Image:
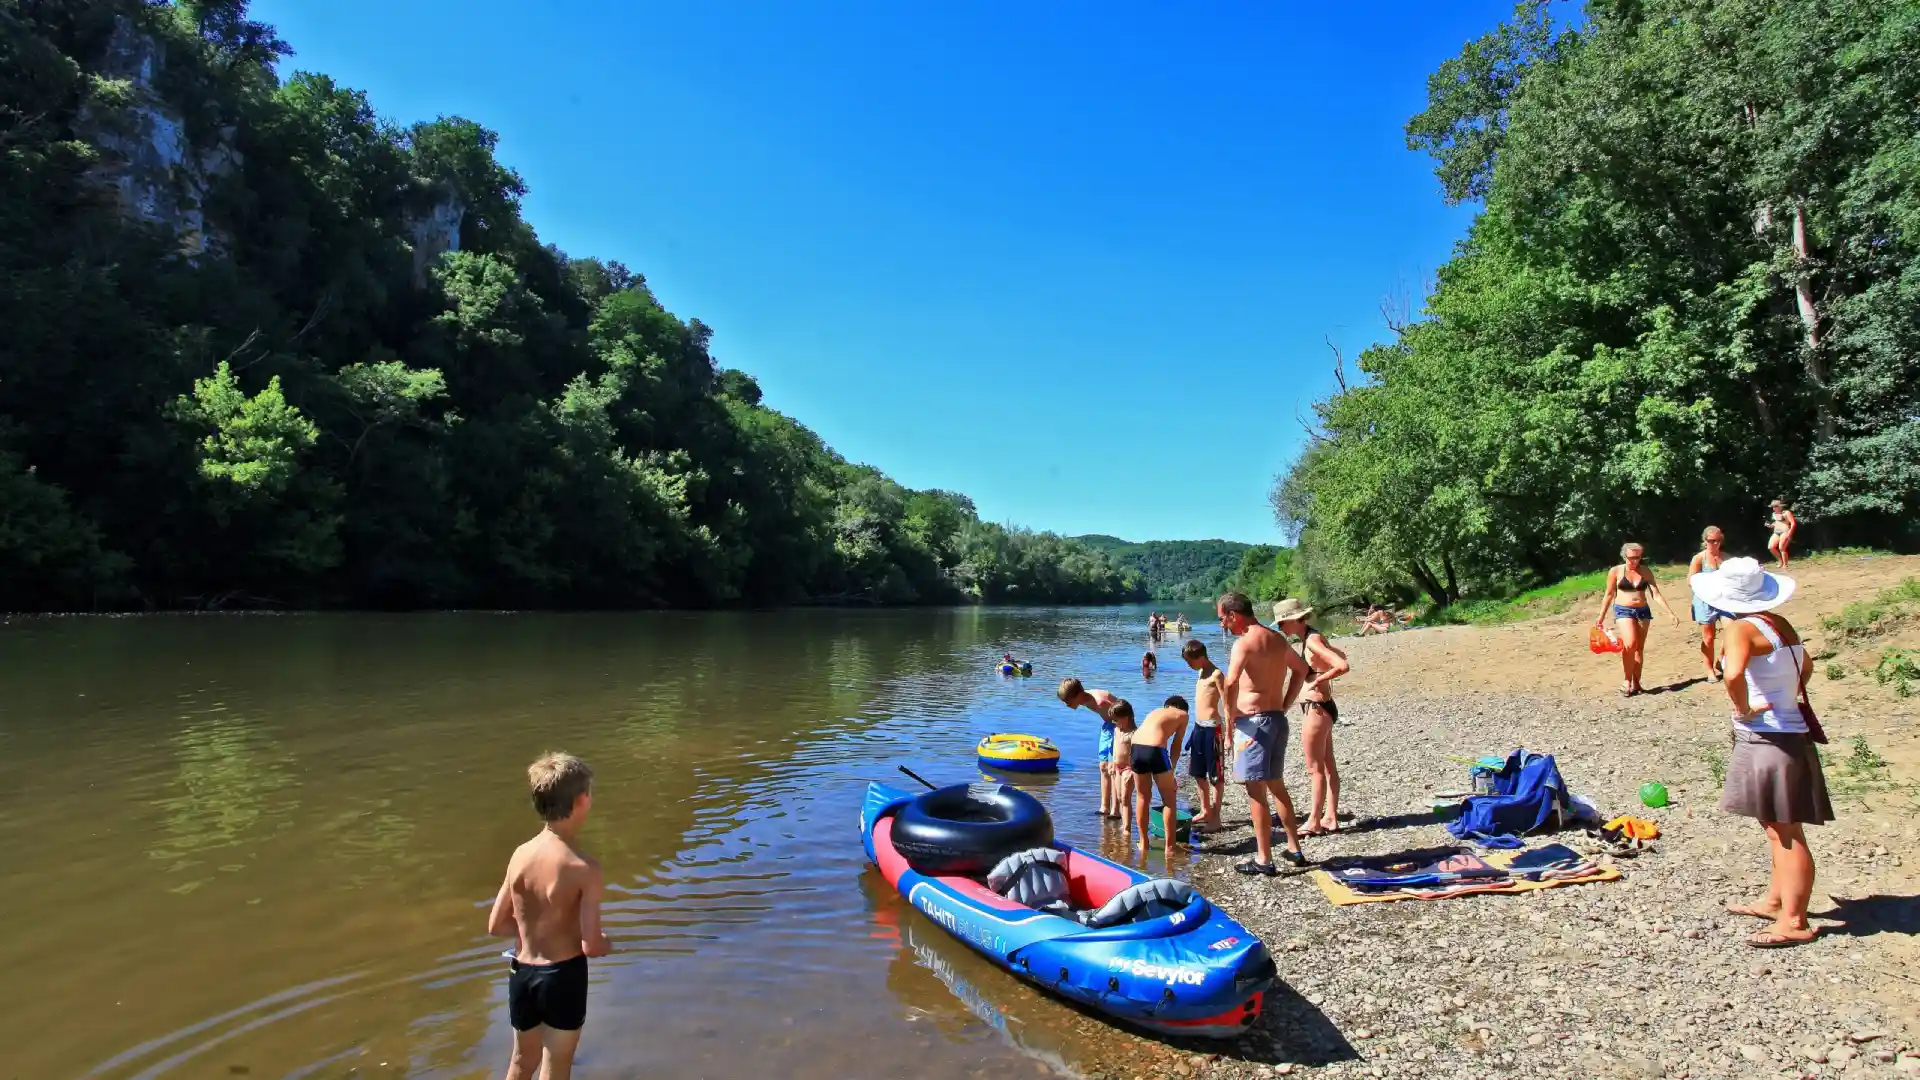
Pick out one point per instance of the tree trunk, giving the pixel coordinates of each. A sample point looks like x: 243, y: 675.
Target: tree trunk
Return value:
x: 1810, y: 319
x: 1425, y: 577
x: 1453, y: 583
x: 1766, y: 414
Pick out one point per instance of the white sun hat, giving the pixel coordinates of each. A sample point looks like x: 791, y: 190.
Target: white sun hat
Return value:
x: 1741, y: 587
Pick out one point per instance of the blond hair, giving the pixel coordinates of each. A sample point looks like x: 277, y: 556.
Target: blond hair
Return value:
x: 1631, y: 546
x: 558, y: 780
x: 1070, y: 689
x: 1710, y: 532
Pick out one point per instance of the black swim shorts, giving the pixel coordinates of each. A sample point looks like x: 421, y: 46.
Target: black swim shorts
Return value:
x: 1151, y: 760
x: 554, y: 995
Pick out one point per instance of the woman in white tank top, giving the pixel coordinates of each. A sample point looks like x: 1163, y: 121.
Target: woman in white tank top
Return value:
x: 1773, y: 774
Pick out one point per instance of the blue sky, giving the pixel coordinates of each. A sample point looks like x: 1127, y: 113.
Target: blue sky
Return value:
x: 1077, y: 260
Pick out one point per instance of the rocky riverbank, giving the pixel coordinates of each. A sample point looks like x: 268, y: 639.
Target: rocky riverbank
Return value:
x: 1647, y: 976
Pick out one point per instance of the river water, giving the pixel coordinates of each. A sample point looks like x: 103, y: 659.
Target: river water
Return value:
x: 265, y: 845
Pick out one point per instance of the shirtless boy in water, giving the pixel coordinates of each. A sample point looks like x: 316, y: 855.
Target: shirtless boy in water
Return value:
x: 1121, y: 767
x: 550, y: 901
x: 1076, y: 696
x: 1156, y: 746
x: 1263, y: 679
x: 1204, y: 760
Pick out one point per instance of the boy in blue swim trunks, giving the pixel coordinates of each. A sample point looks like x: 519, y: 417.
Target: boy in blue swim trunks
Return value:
x: 1103, y: 704
x: 1204, y: 759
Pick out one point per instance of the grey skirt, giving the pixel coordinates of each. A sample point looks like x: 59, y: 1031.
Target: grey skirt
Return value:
x: 1775, y: 777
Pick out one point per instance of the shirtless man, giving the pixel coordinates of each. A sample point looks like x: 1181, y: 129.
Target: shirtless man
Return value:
x: 1076, y: 696
x: 550, y: 902
x: 1318, y: 713
x: 1263, y: 679
x: 1156, y: 746
x: 1204, y: 757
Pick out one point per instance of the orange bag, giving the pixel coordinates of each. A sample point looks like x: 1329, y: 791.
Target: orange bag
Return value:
x: 1602, y: 642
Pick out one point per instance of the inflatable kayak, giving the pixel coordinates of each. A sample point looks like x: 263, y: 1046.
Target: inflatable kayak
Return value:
x: 1018, y: 753
x: 1024, y: 667
x: 1152, y: 953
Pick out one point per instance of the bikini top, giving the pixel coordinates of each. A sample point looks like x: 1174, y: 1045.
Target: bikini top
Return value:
x: 1624, y: 585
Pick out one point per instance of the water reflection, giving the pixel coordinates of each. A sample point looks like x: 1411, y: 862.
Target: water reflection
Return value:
x: 937, y: 979
x: 229, y: 780
x: 367, y: 773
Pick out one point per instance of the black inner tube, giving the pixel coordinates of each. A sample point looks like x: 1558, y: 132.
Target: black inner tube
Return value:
x: 966, y: 828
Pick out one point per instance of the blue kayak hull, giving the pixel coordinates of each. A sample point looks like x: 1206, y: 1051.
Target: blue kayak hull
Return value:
x: 1195, y: 972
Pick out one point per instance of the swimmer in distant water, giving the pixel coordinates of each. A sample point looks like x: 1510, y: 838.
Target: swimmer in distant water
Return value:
x: 550, y: 903
x: 1149, y: 664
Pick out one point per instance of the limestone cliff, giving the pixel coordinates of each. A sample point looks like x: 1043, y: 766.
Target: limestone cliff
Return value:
x: 147, y: 158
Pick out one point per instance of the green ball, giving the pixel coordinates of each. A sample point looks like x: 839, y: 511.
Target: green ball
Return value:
x: 1653, y: 793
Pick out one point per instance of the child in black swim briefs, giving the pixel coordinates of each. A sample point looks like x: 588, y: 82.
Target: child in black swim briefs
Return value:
x: 1156, y: 746
x: 550, y: 903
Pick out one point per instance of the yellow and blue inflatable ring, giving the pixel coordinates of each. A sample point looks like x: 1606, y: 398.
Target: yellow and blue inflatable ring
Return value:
x: 1014, y: 752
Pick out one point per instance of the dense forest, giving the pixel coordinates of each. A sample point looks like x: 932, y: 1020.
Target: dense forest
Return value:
x: 1173, y: 569
x: 1692, y: 286
x: 265, y: 348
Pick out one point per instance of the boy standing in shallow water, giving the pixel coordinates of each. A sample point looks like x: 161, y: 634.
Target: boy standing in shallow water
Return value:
x: 1076, y: 696
x: 550, y: 902
x: 1204, y: 759
x: 1156, y: 746
x: 1121, y: 767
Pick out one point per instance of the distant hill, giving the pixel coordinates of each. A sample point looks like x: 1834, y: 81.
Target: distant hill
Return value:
x: 1175, y: 569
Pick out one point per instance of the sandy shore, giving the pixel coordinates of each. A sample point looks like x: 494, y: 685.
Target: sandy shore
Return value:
x: 1647, y: 976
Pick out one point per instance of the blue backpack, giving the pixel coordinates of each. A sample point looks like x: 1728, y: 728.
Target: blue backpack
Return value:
x: 1528, y: 795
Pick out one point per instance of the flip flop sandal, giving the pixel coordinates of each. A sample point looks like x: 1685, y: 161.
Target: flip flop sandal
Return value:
x: 1254, y: 866
x: 1767, y: 940
x: 1750, y: 911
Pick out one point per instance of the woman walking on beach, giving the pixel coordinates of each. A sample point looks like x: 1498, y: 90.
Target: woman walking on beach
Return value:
x: 1318, y: 714
x: 1774, y: 773
x: 1784, y: 526
x: 1628, y: 588
x: 1705, y: 561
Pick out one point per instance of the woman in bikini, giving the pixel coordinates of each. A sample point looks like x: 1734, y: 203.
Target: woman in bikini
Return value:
x: 1318, y: 714
x: 1773, y: 773
x: 1628, y: 588
x: 1784, y: 526
x: 1706, y: 561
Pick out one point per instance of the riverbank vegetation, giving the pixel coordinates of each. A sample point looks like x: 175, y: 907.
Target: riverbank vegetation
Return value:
x: 1693, y: 286
x: 265, y: 348
x: 1173, y: 569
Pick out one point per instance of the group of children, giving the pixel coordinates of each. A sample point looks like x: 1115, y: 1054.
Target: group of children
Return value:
x: 1137, y: 756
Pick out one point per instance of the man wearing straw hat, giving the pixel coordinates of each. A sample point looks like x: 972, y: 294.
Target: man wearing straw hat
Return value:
x: 1774, y: 772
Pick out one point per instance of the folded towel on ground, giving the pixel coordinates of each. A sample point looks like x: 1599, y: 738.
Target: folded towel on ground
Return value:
x: 1340, y: 894
x: 1413, y: 869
